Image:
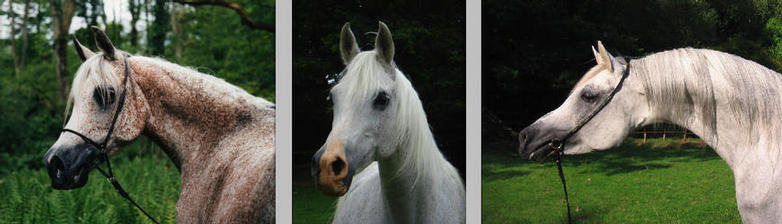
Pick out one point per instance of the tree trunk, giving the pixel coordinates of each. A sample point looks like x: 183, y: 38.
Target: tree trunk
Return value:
x: 25, y: 34
x: 158, y: 29
x: 177, y: 12
x: 14, y: 55
x: 62, y: 13
x: 135, y: 11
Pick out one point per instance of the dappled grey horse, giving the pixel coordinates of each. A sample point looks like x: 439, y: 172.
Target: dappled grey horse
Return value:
x: 733, y: 104
x: 220, y: 137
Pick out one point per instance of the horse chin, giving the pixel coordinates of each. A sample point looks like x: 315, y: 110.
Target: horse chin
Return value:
x: 539, y: 155
x: 67, y: 182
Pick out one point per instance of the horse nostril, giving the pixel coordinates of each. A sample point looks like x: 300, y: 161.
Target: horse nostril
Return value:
x: 523, y: 137
x: 57, y: 166
x: 337, y: 166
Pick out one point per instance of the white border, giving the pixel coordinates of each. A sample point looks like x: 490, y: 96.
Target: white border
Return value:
x: 473, y: 126
x: 283, y: 98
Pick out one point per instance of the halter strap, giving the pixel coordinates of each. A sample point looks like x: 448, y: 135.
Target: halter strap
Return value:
x: 558, y: 145
x: 103, y: 146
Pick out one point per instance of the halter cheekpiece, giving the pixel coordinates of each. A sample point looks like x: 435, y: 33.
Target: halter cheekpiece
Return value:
x: 557, y: 145
x: 103, y: 146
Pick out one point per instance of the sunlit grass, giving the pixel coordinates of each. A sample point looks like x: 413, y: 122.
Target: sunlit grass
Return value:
x: 657, y: 182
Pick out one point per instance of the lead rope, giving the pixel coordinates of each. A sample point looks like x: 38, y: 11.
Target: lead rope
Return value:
x: 102, y: 148
x: 110, y: 177
x: 558, y: 145
x: 564, y: 185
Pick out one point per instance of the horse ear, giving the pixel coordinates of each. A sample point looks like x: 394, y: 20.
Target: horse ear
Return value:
x: 605, y: 57
x: 384, y: 44
x: 103, y: 42
x: 83, y: 51
x: 347, y: 44
x: 597, y: 56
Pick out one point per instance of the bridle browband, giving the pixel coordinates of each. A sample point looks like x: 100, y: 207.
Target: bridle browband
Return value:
x: 557, y: 145
x: 102, y: 147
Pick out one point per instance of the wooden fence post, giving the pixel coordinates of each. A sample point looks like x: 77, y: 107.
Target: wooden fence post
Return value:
x: 663, y: 134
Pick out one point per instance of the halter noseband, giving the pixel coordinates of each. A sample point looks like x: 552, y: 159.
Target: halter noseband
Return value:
x: 557, y: 145
x: 103, y: 146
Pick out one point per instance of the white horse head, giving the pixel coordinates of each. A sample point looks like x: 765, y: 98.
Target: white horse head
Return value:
x: 606, y: 129
x: 94, y: 96
x: 368, y: 112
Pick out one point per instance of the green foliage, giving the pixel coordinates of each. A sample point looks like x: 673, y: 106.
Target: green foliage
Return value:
x: 32, y: 108
x: 143, y: 171
x: 629, y: 184
x: 774, y: 27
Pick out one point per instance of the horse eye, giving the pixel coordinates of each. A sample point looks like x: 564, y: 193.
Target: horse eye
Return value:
x: 104, y: 97
x: 589, y: 96
x: 381, y: 101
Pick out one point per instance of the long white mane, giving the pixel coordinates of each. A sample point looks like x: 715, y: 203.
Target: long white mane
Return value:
x: 411, y: 128
x: 685, y: 81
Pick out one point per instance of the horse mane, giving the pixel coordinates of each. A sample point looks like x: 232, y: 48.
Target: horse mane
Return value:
x: 411, y: 128
x: 681, y: 83
x: 94, y: 72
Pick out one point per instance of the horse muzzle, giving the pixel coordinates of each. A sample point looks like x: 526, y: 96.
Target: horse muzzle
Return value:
x: 331, y: 171
x: 69, y: 168
x: 535, y: 148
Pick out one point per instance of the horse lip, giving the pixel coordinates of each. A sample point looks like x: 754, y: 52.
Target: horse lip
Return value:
x: 545, y: 155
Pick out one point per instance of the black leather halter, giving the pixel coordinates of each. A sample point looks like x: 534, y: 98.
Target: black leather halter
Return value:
x: 103, y: 146
x: 558, y: 145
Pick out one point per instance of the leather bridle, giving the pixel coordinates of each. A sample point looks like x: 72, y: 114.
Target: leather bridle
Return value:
x: 557, y: 145
x: 103, y: 146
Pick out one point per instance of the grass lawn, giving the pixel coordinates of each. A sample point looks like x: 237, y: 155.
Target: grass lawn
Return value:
x: 655, y: 182
x: 311, y: 206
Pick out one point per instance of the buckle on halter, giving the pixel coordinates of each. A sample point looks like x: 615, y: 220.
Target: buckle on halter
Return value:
x: 555, y: 144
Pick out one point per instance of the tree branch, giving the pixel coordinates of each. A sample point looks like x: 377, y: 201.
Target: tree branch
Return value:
x: 246, y: 20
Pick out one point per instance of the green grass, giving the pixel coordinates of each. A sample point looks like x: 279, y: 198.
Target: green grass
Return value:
x: 656, y: 182
x: 311, y: 206
x: 26, y: 195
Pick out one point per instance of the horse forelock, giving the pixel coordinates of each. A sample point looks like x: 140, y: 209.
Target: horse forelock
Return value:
x: 362, y: 77
x: 93, y: 73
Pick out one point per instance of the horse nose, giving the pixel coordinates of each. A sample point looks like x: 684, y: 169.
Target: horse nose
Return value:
x: 69, y: 167
x: 315, y: 164
x: 524, y: 138
x: 333, y: 171
x: 56, y: 167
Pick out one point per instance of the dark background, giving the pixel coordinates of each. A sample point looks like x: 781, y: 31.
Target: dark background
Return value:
x: 534, y: 51
x: 429, y: 38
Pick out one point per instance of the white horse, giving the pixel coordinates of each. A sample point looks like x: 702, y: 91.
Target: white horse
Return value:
x: 220, y: 137
x: 380, y: 134
x: 733, y: 104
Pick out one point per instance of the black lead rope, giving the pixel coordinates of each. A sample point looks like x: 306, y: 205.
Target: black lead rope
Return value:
x: 558, y: 145
x: 102, y: 147
x: 564, y: 185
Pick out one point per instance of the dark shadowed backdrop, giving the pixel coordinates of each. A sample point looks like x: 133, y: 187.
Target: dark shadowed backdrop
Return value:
x: 429, y: 37
x: 534, y: 51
